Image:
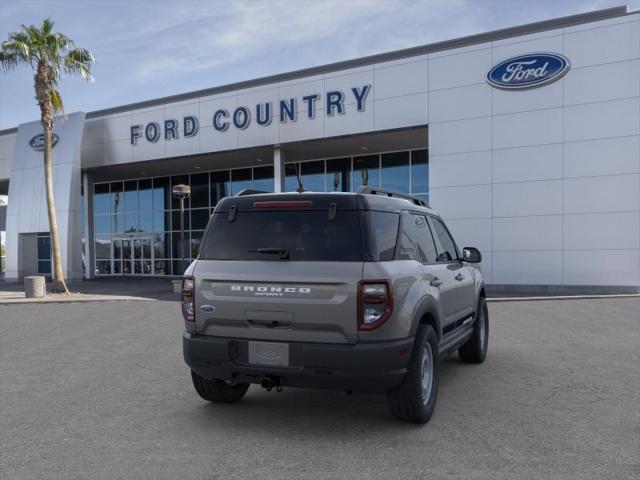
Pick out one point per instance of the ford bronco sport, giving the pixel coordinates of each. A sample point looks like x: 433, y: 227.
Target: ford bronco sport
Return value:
x: 358, y: 291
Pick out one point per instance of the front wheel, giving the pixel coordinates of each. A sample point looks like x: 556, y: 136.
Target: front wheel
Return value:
x: 218, y: 391
x: 475, y: 349
x: 415, y: 399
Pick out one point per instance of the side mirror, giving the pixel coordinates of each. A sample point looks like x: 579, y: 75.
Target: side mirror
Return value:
x: 471, y: 255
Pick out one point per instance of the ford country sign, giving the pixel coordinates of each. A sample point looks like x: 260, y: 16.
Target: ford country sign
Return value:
x: 37, y: 142
x: 528, y: 71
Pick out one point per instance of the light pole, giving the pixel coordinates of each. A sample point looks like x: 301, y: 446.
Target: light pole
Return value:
x: 182, y: 192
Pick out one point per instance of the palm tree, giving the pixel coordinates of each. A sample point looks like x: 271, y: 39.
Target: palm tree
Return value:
x: 50, y: 55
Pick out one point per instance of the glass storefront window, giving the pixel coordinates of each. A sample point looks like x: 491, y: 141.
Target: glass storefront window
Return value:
x: 338, y: 175
x: 103, y: 247
x: 395, y: 171
x: 366, y: 171
x: 263, y: 179
x: 144, y: 211
x: 313, y: 176
x: 145, y: 195
x: 199, y: 218
x: 240, y: 180
x: 131, y: 196
x: 179, y: 180
x: 101, y: 198
x: 200, y: 190
x: 419, y: 171
x: 219, y: 186
x: 161, y: 194
x: 161, y: 221
x: 196, y: 239
x: 175, y: 220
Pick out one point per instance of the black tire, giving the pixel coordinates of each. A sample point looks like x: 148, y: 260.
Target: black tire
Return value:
x: 408, y: 402
x: 475, y: 349
x: 218, y: 391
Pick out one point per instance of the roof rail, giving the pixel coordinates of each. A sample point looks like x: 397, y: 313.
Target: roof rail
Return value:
x: 390, y: 193
x: 249, y: 191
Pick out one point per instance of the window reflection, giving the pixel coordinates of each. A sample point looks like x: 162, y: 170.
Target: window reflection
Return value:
x: 338, y: 175
x: 366, y: 171
x: 240, y: 180
x: 419, y: 171
x: 395, y: 171
x: 313, y: 176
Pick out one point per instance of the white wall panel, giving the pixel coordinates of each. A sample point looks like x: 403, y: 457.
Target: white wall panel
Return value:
x: 506, y: 101
x: 462, y: 202
x: 303, y: 129
x: 212, y: 140
x: 117, y: 152
x: 472, y: 232
x: 460, y: 103
x: 459, y: 69
x: 118, y: 127
x: 527, y: 198
x: 527, y: 233
x: 486, y: 267
x: 602, y: 267
x: 182, y: 145
x: 614, y: 193
x: 609, y: 156
x: 470, y: 168
x: 407, y: 111
x: 541, y: 162
x: 352, y: 121
x: 346, y: 81
x: 602, y: 82
x: 549, y: 41
x: 527, y: 128
x: 598, y: 231
x: 460, y: 136
x: 602, y: 120
x: 403, y: 79
x: 527, y: 268
x: 603, y: 45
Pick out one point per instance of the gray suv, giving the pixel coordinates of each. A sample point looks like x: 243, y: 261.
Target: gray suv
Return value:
x: 358, y: 291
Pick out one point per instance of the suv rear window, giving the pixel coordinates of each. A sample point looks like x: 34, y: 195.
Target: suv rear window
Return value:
x: 306, y: 235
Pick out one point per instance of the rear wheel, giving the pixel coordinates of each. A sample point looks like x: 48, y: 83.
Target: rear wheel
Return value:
x: 218, y: 391
x: 475, y: 349
x: 415, y: 399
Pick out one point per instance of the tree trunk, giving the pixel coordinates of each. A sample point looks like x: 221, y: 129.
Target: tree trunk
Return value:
x: 59, y: 284
x: 43, y: 95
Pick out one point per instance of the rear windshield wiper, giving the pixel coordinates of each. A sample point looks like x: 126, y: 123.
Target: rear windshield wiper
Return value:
x: 283, y: 252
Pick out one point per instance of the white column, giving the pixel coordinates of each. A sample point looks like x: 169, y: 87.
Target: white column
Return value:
x: 278, y: 170
x: 87, y: 203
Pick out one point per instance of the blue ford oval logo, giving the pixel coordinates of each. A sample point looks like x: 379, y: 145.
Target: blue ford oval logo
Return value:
x: 208, y: 308
x: 528, y: 71
x: 37, y: 142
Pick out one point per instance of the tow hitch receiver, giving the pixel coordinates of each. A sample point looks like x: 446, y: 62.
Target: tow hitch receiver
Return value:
x: 269, y: 383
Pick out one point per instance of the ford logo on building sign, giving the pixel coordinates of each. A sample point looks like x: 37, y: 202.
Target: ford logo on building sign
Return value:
x: 37, y: 142
x: 528, y: 71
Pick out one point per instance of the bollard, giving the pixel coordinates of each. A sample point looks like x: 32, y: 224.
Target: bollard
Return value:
x: 34, y: 287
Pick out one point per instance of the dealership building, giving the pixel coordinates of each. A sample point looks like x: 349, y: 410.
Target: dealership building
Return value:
x: 526, y: 140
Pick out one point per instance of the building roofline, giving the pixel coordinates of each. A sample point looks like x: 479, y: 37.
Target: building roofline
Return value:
x: 459, y: 42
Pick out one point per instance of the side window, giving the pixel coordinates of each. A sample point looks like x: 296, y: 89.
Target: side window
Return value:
x: 424, y: 241
x: 384, y: 233
x: 449, y: 251
x: 415, y: 241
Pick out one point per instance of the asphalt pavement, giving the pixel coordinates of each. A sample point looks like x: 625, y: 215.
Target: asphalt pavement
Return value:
x: 100, y: 391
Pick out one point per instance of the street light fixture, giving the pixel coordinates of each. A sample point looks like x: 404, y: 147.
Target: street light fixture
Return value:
x: 182, y: 192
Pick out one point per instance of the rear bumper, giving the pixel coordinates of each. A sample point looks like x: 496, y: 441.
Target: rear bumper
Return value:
x: 365, y: 367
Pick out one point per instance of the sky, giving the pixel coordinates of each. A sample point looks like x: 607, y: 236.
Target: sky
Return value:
x: 152, y: 48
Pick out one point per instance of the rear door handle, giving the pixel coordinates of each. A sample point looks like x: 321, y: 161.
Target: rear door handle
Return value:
x: 459, y: 277
x: 436, y: 282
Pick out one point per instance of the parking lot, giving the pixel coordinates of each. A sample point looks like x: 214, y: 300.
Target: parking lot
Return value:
x: 99, y: 390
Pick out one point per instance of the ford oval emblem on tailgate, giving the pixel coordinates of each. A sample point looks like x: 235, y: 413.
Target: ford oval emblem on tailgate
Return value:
x: 208, y: 308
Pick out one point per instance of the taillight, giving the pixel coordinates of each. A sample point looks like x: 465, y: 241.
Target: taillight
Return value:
x: 375, y: 303
x: 187, y: 299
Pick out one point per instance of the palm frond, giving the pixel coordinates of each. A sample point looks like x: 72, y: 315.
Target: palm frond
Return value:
x: 56, y: 101
x: 79, y: 60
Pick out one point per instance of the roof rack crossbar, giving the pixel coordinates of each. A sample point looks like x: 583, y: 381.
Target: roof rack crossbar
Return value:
x: 249, y: 191
x: 391, y: 193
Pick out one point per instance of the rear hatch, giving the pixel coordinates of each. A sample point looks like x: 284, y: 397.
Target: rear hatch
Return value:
x: 282, y: 268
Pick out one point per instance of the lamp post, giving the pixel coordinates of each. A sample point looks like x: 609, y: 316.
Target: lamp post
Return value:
x: 182, y: 192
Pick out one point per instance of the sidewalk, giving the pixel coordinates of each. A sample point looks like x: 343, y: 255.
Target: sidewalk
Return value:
x: 103, y: 289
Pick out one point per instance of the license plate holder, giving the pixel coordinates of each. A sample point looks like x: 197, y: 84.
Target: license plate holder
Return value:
x: 269, y: 353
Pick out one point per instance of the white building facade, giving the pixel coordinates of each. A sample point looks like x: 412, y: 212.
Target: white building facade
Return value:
x: 526, y: 140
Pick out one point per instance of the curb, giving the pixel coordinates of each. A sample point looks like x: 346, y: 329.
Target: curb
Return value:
x: 105, y: 298
x: 561, y: 297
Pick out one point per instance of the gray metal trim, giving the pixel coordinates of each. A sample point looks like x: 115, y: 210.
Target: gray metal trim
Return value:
x: 519, y: 30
